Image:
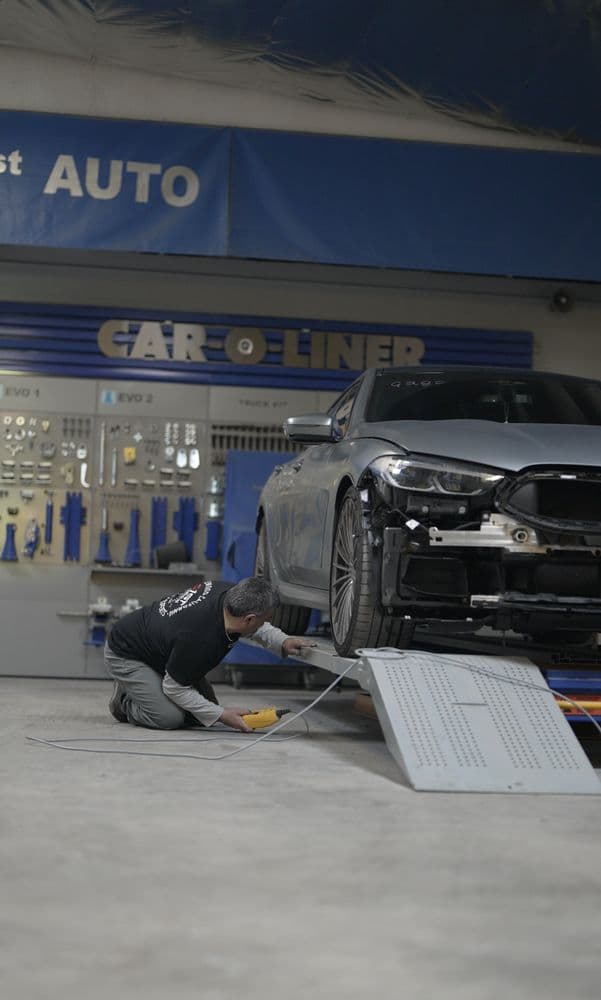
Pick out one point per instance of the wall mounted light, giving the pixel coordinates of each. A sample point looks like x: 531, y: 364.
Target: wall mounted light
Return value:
x: 562, y: 302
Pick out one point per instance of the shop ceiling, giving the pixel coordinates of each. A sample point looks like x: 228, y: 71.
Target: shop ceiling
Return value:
x: 516, y: 71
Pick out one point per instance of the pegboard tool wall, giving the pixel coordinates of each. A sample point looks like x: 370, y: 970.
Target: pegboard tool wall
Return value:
x: 95, y: 474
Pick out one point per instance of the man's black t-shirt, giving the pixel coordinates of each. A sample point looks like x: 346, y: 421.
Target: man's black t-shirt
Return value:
x: 182, y: 634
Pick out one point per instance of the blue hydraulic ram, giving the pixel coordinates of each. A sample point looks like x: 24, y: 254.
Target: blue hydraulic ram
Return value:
x: 103, y: 555
x: 9, y: 552
x: 133, y: 555
x: 48, y: 519
x: 185, y: 522
x: 213, y: 540
x: 73, y: 516
x: 158, y: 525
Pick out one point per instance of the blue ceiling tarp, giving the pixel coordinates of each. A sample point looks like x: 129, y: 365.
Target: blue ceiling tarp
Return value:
x: 519, y: 66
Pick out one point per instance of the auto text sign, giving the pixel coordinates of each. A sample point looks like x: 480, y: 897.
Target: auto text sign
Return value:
x: 115, y: 185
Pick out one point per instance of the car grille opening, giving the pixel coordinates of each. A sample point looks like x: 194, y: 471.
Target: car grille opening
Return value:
x: 450, y: 577
x: 554, y: 576
x: 571, y: 499
x: 441, y: 577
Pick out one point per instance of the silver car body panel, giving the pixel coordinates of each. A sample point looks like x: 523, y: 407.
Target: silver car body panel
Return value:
x: 300, y: 532
x: 510, y: 447
x: 299, y: 499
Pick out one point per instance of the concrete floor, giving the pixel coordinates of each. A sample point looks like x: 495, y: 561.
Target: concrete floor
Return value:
x: 298, y: 869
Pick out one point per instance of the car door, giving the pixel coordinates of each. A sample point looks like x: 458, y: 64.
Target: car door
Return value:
x: 311, y: 482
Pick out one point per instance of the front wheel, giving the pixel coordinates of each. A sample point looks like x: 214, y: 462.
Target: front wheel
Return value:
x: 291, y: 619
x: 356, y: 618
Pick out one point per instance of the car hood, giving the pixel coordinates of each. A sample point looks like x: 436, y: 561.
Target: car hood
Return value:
x: 504, y: 446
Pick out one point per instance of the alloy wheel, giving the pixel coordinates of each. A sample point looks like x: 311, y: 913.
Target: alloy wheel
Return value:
x: 344, y: 571
x: 260, y: 553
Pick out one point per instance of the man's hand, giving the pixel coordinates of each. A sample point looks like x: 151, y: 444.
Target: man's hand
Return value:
x: 295, y: 644
x: 232, y: 717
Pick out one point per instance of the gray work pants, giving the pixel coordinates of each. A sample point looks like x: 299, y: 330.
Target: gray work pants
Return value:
x: 144, y: 703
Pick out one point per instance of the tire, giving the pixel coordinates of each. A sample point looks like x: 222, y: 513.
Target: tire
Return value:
x: 288, y: 617
x: 261, y: 567
x: 355, y: 617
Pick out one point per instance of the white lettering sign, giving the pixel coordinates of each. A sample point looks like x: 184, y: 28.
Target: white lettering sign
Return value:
x: 11, y: 162
x: 103, y: 180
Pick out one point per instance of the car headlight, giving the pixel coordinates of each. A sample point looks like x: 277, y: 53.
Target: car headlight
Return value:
x: 426, y: 475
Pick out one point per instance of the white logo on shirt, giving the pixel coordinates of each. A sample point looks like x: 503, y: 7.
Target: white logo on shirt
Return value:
x: 187, y: 599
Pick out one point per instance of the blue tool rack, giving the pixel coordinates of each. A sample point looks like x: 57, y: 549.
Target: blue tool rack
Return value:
x: 245, y: 475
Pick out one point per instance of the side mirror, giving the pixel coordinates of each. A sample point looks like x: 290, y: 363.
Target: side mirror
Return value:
x: 311, y: 428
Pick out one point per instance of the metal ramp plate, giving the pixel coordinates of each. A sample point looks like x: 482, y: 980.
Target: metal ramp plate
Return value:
x: 452, y: 728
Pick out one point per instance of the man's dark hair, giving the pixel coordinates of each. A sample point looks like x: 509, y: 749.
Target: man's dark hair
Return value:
x: 253, y: 596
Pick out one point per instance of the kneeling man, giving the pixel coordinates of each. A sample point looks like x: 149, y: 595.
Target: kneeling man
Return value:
x: 160, y: 654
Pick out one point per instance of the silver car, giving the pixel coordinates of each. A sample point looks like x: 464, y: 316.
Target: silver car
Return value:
x: 450, y: 500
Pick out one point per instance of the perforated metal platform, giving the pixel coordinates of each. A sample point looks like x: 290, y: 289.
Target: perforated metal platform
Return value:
x: 452, y: 726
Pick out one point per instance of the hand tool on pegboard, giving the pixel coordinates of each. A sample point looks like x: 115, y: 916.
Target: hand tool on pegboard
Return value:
x: 113, y: 467
x: 101, y: 452
x: 31, y: 538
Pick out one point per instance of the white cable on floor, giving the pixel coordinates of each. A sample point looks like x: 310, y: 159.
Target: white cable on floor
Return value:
x: 60, y: 745
x: 286, y: 722
x: 216, y: 738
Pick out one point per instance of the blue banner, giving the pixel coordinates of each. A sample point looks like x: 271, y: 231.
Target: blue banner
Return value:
x: 180, y: 189
x: 113, y: 185
x: 416, y: 205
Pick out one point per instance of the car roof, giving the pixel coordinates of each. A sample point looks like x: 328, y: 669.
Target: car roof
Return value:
x: 490, y: 371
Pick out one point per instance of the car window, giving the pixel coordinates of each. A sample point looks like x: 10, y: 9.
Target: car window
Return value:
x: 504, y: 399
x: 342, y: 409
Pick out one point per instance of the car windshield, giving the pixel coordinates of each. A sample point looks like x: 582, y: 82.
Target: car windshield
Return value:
x: 531, y: 399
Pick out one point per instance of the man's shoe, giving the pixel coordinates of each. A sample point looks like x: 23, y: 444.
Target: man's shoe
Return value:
x: 116, y: 704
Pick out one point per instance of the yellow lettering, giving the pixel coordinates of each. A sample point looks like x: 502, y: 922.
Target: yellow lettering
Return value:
x: 291, y: 357
x: 150, y: 343
x: 407, y: 350
x: 188, y: 342
x: 318, y: 350
x: 347, y: 348
x: 377, y: 349
x: 106, y: 335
